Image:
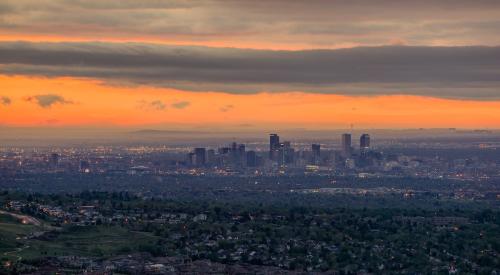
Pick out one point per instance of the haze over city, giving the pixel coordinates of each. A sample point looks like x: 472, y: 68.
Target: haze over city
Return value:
x: 249, y: 137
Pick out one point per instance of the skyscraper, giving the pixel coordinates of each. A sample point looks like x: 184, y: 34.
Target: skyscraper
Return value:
x: 210, y: 156
x: 286, y: 153
x: 234, y: 152
x: 191, y: 159
x: 251, y: 159
x: 200, y: 156
x: 274, y: 144
x: 346, y: 145
x: 316, y: 153
x: 316, y: 150
x: 54, y: 160
x: 364, y: 142
x: 241, y: 154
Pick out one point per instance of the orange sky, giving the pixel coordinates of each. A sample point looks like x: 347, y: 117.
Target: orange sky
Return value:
x: 90, y: 102
x: 268, y: 25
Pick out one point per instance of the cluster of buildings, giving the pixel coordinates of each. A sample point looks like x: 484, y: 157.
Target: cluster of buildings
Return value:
x: 349, y: 158
x: 239, y: 243
x: 88, y: 215
x: 280, y: 154
x: 83, y: 215
x: 235, y: 155
x: 345, y: 156
x: 144, y: 263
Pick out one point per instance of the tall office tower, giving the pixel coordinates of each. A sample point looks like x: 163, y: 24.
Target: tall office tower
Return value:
x: 364, y: 142
x: 346, y: 145
x: 200, y: 156
x: 274, y: 144
x: 241, y: 154
x: 191, y: 159
x: 279, y: 154
x: 54, y: 160
x: 290, y: 156
x: 210, y: 156
x: 251, y: 159
x: 316, y: 153
x: 286, y: 153
x: 316, y: 150
x: 234, y: 153
x: 241, y: 149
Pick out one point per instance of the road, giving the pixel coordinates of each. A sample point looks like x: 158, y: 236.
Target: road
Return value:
x: 23, y: 218
x: 17, y: 251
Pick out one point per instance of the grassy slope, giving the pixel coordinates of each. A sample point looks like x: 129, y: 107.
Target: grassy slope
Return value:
x: 99, y: 241
x: 10, y: 229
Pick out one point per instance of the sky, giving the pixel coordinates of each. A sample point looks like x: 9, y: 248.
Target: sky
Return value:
x: 238, y: 64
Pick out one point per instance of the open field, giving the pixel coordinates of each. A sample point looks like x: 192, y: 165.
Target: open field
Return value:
x: 100, y: 241
x: 97, y: 241
x: 12, y: 233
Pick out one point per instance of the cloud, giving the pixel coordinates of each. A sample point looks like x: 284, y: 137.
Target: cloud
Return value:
x: 159, y: 105
x: 451, y: 72
x: 5, y: 100
x: 315, y: 23
x: 180, y: 104
x: 226, y: 108
x: 47, y: 100
x: 156, y: 105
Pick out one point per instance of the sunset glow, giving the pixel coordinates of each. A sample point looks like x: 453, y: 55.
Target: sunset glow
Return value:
x: 90, y: 102
x: 322, y: 66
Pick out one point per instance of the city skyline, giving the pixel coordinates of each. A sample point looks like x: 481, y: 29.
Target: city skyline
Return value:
x: 249, y: 137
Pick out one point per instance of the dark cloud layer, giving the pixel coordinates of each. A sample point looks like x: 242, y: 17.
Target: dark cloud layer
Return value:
x: 315, y: 23
x: 456, y: 72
